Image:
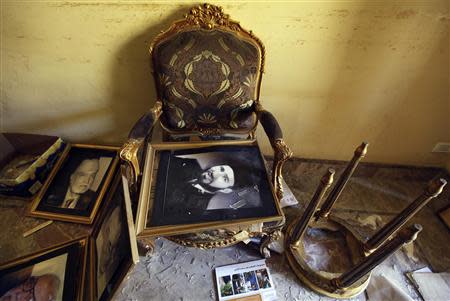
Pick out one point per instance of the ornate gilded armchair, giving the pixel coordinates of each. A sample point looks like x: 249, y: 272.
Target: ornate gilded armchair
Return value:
x: 207, y: 71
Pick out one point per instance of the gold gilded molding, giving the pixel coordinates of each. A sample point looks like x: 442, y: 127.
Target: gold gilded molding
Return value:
x: 128, y: 153
x: 267, y: 235
x: 258, y: 107
x: 209, y: 16
x: 157, y: 109
x: 207, y: 244
x: 210, y: 131
x: 282, y: 154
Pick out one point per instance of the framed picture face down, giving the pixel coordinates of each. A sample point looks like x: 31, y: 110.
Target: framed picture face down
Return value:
x: 77, y: 185
x: 187, y: 187
x: 111, y: 249
x: 53, y: 274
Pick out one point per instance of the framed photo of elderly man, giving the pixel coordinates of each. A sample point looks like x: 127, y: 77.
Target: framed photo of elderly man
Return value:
x: 56, y: 273
x: 188, y: 187
x: 76, y: 187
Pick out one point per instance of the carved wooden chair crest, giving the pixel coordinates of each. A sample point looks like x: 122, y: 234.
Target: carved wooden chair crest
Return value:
x: 207, y: 72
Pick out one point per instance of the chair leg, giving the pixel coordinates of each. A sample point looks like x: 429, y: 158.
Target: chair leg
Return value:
x: 370, y: 262
x: 325, y: 209
x: 300, y: 227
x: 433, y: 190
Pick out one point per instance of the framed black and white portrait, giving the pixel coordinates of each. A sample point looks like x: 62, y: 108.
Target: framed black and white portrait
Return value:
x: 200, y: 186
x: 52, y: 274
x: 113, y: 246
x: 77, y: 185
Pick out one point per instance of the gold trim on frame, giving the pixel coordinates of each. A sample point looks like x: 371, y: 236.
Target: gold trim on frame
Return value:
x: 145, y: 201
x: 72, y: 218
x: 82, y: 241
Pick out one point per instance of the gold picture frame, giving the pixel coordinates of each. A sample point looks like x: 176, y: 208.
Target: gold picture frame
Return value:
x: 120, y: 253
x: 146, y: 204
x: 45, y: 269
x: 92, y: 167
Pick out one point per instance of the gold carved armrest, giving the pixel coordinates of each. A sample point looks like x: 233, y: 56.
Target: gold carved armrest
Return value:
x: 281, y: 151
x: 131, y: 152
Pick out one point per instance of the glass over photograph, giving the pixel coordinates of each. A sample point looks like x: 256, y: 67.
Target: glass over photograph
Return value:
x: 78, y: 183
x: 110, y: 249
x: 211, y: 184
x: 54, y: 275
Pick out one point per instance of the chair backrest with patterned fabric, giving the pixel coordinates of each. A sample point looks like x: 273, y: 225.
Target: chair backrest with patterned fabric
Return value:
x: 207, y: 70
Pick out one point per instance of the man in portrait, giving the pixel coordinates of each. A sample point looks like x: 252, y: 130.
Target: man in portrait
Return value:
x: 78, y: 194
x: 192, y: 190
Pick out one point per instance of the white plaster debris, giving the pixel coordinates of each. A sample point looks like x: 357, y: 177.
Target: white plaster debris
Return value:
x: 188, y: 274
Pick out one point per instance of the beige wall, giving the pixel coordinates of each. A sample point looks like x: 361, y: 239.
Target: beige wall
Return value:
x: 337, y: 73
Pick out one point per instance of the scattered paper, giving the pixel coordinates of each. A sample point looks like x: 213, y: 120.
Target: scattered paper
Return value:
x: 381, y: 288
x: 289, y: 198
x: 432, y: 286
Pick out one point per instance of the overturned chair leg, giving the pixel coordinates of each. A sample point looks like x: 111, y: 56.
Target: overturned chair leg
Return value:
x: 325, y: 209
x: 370, y: 262
x: 300, y: 227
x: 433, y: 190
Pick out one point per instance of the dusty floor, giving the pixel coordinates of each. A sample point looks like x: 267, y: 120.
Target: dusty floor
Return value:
x: 373, y: 196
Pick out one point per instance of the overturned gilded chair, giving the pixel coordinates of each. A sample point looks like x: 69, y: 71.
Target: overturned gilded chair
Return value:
x: 352, y: 260
x: 207, y: 71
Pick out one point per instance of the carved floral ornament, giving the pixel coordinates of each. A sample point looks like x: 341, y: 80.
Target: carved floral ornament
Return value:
x: 208, y: 16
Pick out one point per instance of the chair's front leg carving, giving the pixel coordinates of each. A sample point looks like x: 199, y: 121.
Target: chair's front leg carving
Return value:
x: 281, y: 155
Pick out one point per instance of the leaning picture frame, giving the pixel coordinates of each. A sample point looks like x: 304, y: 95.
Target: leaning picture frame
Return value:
x: 112, y: 246
x: 75, y: 188
x: 196, y: 186
x: 56, y: 273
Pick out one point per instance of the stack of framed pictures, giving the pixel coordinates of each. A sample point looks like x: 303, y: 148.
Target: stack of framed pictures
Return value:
x: 198, y: 186
x: 85, y: 187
